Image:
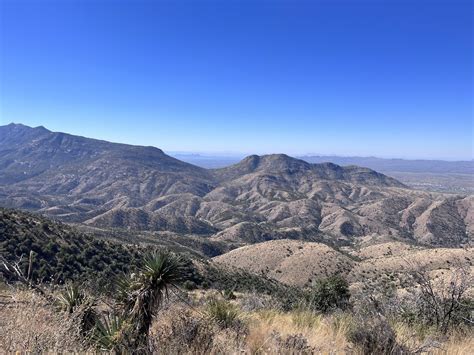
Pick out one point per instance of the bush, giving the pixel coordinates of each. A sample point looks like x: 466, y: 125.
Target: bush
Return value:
x: 189, y: 285
x: 329, y: 294
x: 441, y: 304
x: 186, y: 333
x: 375, y: 336
x: 223, y: 312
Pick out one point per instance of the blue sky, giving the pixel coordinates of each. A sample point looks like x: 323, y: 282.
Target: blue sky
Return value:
x: 389, y: 78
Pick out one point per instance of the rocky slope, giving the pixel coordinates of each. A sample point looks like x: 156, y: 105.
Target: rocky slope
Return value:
x: 261, y: 198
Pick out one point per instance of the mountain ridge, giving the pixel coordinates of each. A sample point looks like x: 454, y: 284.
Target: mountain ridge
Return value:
x: 103, y: 184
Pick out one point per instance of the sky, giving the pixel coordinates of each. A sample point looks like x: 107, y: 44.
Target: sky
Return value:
x: 387, y: 78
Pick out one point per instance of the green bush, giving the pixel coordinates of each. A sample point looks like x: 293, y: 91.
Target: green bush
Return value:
x: 329, y: 294
x: 222, y: 312
x: 189, y: 285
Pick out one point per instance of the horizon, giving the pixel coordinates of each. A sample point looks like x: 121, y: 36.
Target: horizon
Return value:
x: 389, y: 79
x: 242, y: 155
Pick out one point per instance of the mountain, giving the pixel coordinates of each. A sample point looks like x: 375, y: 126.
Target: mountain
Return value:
x: 400, y: 165
x: 111, y: 185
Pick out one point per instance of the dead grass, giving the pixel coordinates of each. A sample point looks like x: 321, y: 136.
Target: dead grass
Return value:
x: 323, y: 334
x: 28, y: 324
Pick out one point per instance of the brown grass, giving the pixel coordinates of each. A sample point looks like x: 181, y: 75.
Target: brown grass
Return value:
x: 29, y: 324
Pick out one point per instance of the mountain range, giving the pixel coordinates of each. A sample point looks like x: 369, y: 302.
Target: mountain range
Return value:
x: 110, y: 185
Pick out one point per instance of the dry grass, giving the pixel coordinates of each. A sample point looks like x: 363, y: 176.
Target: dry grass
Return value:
x: 28, y: 324
x: 459, y: 342
x: 269, y: 328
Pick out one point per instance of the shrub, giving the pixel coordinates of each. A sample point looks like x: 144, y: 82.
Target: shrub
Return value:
x: 329, y: 294
x: 189, y: 285
x: 222, y: 312
x: 185, y: 333
x: 375, y: 336
x: 441, y: 304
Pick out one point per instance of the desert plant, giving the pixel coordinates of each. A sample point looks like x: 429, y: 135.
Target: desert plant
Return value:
x: 143, y: 293
x: 374, y: 336
x: 329, y: 294
x: 70, y: 298
x: 305, y: 318
x: 189, y: 285
x: 442, y: 304
x: 222, y: 312
x: 183, y: 332
x: 110, y: 334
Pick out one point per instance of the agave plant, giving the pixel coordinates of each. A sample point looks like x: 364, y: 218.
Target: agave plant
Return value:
x: 110, y: 334
x: 143, y: 293
x: 71, y: 298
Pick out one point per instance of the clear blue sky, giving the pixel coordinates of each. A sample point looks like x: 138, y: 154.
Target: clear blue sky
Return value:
x: 390, y: 78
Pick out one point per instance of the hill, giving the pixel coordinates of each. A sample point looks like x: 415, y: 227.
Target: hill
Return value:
x: 300, y: 263
x: 60, y: 252
x: 111, y: 185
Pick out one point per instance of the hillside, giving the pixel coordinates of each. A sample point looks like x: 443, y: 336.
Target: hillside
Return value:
x: 299, y: 263
x: 111, y: 185
x: 60, y: 252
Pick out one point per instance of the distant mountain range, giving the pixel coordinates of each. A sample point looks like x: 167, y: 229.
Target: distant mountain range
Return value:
x: 379, y: 164
x: 110, y: 185
x: 429, y: 175
x: 400, y: 165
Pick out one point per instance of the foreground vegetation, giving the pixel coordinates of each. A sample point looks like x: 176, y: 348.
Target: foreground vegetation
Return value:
x: 151, y: 311
x: 205, y: 322
x: 65, y: 291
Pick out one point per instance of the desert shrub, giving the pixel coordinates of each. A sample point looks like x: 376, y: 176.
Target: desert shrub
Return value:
x: 329, y: 294
x: 222, y: 312
x: 374, y: 336
x: 184, y: 333
x: 286, y: 297
x: 189, y: 285
x: 254, y: 302
x: 443, y: 305
x: 293, y: 344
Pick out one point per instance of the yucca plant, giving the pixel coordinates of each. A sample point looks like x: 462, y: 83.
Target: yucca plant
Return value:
x: 71, y: 298
x: 143, y: 293
x: 110, y: 334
